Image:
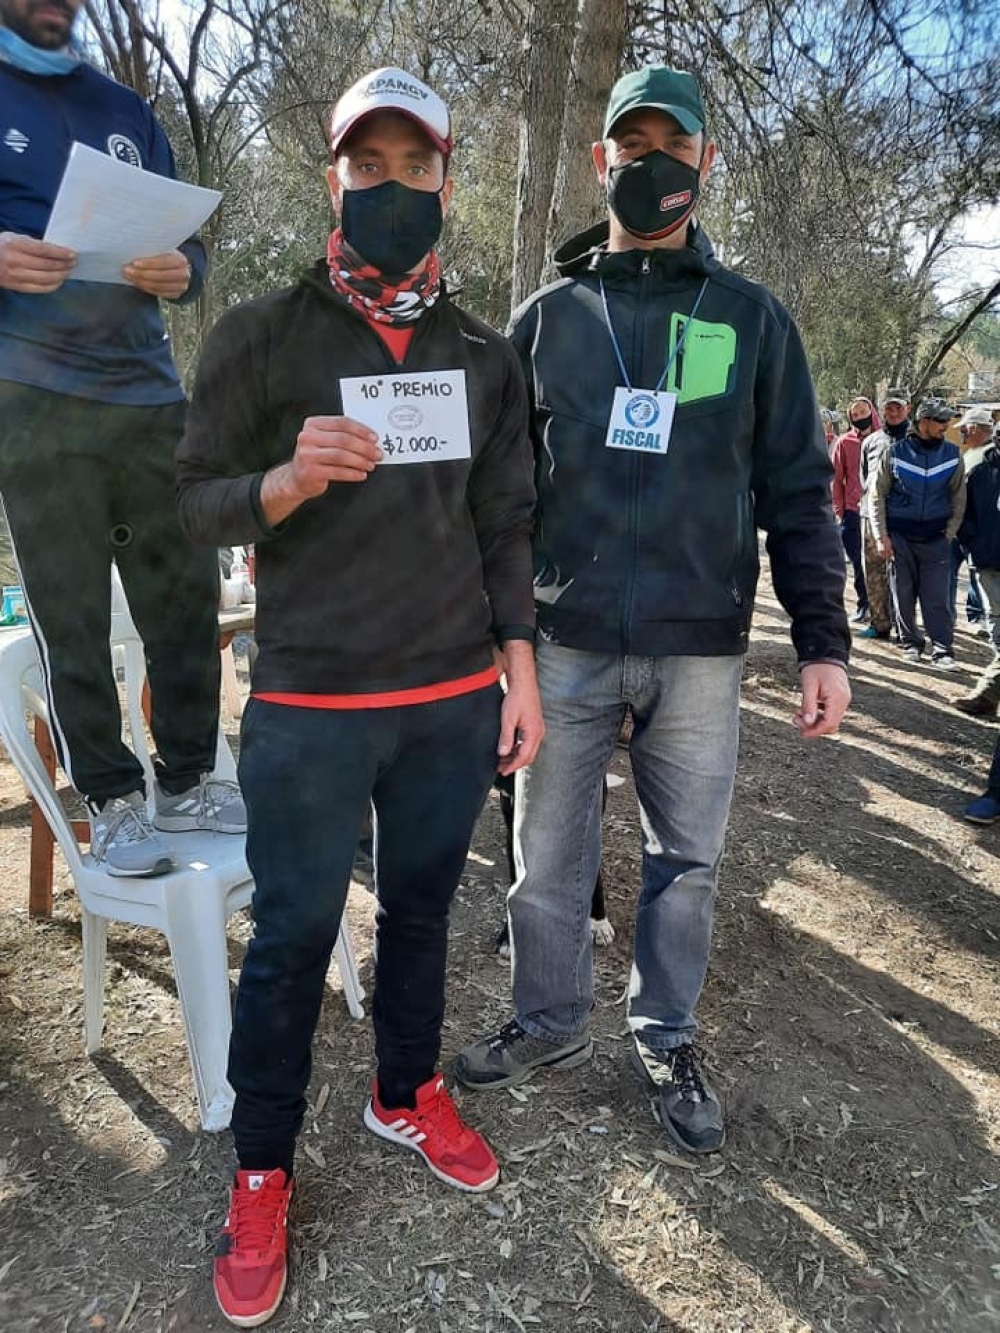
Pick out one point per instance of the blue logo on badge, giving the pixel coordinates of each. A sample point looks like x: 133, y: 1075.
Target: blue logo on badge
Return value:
x: 642, y: 411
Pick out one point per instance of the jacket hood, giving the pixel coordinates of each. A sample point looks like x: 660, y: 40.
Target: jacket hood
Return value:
x: 588, y: 249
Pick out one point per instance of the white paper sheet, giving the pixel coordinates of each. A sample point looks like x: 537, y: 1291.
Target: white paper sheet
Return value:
x: 111, y: 213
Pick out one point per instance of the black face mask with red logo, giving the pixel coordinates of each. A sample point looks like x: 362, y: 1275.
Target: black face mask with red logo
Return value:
x: 653, y: 195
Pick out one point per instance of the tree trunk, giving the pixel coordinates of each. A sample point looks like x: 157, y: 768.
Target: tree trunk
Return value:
x: 577, y: 197
x: 548, y: 44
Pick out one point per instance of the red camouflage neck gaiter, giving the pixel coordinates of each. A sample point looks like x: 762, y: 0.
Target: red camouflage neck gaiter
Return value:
x: 399, y: 303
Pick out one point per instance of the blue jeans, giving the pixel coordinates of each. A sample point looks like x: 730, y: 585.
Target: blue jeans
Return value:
x: 974, y: 609
x: 308, y: 776
x: 683, y: 751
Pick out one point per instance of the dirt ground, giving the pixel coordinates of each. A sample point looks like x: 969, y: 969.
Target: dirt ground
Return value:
x: 850, y: 1020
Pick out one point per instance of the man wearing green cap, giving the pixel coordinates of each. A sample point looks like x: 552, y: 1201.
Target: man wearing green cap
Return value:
x: 673, y: 415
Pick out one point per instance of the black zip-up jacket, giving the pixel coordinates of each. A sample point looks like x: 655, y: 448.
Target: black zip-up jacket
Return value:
x: 980, y: 530
x: 654, y: 555
x: 395, y: 582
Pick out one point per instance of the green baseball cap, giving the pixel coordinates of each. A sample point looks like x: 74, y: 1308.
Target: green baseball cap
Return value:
x: 671, y: 90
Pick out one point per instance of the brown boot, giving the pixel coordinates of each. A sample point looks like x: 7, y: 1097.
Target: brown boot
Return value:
x: 976, y: 705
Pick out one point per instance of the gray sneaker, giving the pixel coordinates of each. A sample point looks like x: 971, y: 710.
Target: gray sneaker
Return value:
x: 214, y: 804
x: 512, y: 1055
x: 689, y: 1109
x: 123, y: 842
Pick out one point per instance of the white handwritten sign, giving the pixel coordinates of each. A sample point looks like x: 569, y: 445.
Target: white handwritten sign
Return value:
x: 421, y: 417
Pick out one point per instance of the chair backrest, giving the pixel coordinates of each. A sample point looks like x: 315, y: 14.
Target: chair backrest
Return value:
x: 128, y: 646
x: 127, y: 649
x: 21, y: 692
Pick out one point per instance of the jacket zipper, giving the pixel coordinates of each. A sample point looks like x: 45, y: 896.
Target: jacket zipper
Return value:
x: 635, y: 474
x: 742, y: 538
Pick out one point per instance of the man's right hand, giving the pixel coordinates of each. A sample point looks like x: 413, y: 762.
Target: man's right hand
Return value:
x: 884, y: 547
x: 27, y: 265
x: 328, y: 449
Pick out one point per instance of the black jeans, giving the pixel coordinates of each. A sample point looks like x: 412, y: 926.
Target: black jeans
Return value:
x: 85, y: 483
x: 308, y: 776
x: 850, y: 535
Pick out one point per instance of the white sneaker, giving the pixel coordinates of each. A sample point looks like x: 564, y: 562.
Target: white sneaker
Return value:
x: 214, y: 804
x: 912, y: 654
x: 943, y: 661
x: 122, y: 840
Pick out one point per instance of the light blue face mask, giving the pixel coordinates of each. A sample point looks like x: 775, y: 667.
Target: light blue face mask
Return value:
x: 16, y: 51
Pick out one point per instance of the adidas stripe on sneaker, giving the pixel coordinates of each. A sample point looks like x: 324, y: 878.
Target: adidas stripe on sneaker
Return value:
x: 457, y: 1154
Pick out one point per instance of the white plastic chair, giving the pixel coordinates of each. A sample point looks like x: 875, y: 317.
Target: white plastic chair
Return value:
x: 127, y: 643
x: 190, y: 905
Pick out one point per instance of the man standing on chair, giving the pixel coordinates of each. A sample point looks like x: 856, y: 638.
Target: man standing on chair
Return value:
x: 371, y: 439
x: 91, y: 410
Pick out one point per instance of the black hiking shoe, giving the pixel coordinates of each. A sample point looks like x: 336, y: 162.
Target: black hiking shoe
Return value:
x: 512, y: 1055
x: 689, y: 1110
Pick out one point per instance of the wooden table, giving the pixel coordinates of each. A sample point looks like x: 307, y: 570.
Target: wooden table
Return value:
x: 239, y: 620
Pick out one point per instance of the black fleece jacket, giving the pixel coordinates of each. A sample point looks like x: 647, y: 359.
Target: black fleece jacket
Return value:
x: 402, y: 580
x: 651, y: 554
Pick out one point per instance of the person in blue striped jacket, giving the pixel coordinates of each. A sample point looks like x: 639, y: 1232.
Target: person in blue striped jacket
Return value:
x: 919, y: 505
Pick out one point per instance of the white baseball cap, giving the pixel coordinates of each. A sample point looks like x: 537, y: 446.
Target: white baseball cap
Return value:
x: 977, y: 416
x: 392, y: 89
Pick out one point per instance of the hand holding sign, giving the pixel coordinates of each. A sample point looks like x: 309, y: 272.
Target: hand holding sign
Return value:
x: 327, y: 449
x: 332, y: 449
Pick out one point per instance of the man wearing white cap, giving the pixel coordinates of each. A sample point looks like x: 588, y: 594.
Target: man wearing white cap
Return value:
x: 976, y: 428
x: 371, y: 439
x: 980, y: 537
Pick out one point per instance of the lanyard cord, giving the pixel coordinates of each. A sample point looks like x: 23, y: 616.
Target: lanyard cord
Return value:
x: 673, y: 355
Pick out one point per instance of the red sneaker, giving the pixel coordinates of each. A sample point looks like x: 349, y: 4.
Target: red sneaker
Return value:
x: 249, y: 1271
x: 454, y: 1152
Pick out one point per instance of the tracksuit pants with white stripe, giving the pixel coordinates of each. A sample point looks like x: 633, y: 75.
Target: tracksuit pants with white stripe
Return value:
x: 85, y: 483
x: 921, y: 570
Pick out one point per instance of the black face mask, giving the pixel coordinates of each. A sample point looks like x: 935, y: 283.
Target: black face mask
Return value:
x: 391, y: 225
x: 899, y: 430
x: 653, y: 195
x: 862, y: 424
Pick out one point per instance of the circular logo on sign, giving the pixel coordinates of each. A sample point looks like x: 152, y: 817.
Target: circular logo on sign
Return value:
x: 405, y: 417
x: 124, y: 150
x: 642, y: 410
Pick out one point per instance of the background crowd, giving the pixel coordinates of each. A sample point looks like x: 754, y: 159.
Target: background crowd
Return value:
x: 917, y: 496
